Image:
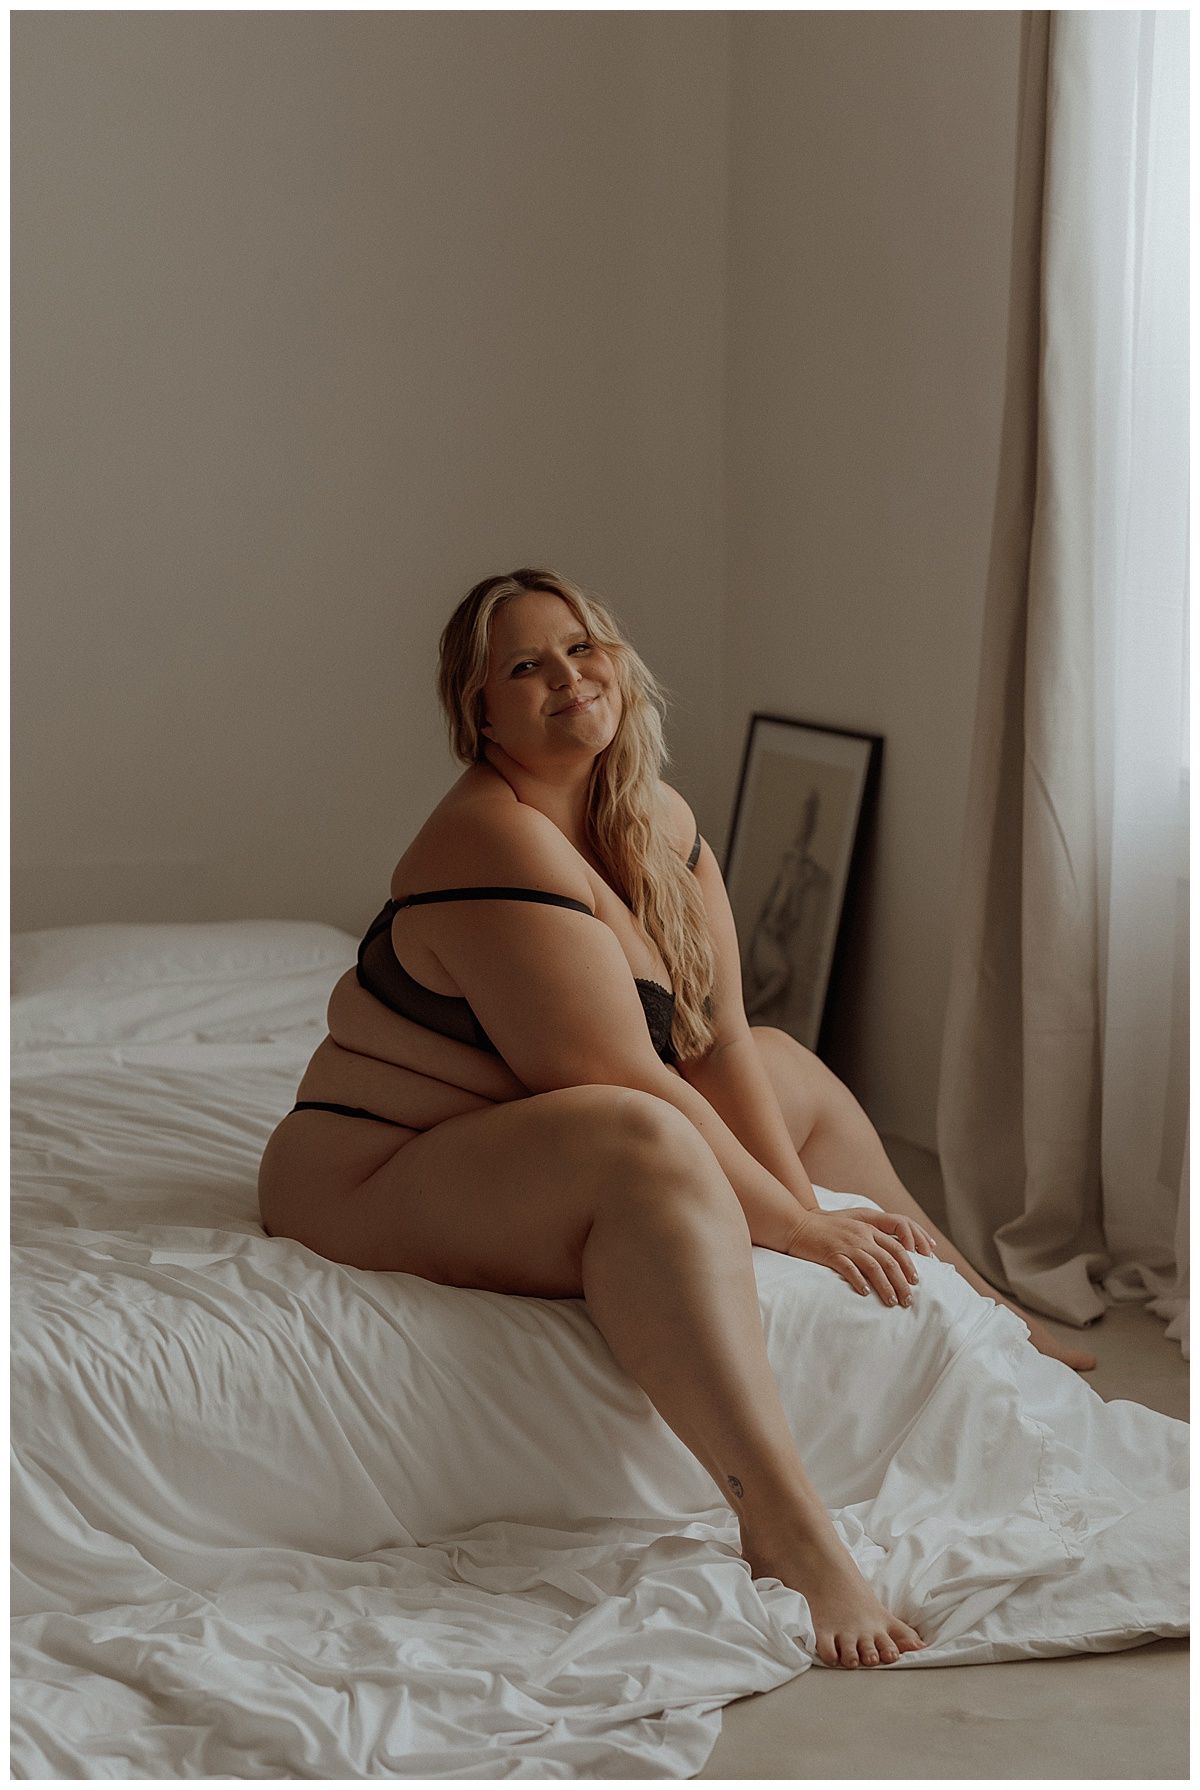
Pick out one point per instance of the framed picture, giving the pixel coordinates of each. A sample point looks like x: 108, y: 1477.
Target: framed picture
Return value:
x: 795, y: 844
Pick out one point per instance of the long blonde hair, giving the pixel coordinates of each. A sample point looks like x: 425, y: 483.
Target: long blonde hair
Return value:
x: 626, y: 813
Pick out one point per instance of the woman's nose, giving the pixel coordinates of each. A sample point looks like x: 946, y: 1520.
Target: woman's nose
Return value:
x: 564, y: 673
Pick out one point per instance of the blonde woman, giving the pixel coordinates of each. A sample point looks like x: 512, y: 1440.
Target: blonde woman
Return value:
x: 541, y: 1079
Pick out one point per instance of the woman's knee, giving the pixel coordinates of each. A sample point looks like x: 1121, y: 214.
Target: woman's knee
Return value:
x: 615, y: 1117
x: 793, y: 1062
x: 818, y: 1108
x: 805, y: 1086
x: 637, y: 1159
x: 776, y: 1046
x: 626, y: 1125
x: 645, y: 1153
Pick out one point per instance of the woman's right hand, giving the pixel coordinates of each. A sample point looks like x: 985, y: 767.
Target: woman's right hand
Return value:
x: 854, y: 1247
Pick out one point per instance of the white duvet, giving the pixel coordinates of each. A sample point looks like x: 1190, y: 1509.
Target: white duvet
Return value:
x: 274, y: 1517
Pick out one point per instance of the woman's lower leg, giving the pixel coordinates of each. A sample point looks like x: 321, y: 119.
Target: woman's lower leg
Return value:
x: 668, y: 1277
x: 840, y: 1148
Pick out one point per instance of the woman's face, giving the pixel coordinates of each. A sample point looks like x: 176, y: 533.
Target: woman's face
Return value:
x: 550, y: 692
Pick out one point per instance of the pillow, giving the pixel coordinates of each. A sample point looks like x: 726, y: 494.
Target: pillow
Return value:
x: 226, y: 982
x: 214, y: 951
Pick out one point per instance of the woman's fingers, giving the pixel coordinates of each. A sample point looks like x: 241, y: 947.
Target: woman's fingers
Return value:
x: 851, y: 1273
x: 868, y: 1258
x: 909, y: 1233
x: 900, y: 1228
x: 872, y: 1276
x: 922, y: 1242
x: 899, y: 1252
x: 876, y: 1272
x: 880, y: 1264
x: 895, y: 1278
x: 882, y: 1272
x: 906, y: 1230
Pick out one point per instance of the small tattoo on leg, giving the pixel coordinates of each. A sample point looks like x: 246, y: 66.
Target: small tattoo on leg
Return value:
x: 735, y: 1485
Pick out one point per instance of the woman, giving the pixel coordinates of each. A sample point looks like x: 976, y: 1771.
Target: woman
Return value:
x: 512, y: 1097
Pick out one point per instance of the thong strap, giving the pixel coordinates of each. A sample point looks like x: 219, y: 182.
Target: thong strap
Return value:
x: 348, y: 1112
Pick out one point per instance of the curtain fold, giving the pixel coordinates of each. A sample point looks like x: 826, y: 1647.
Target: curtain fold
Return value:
x: 1062, y: 1104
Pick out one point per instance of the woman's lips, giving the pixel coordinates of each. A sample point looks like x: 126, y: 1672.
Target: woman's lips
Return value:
x: 578, y: 707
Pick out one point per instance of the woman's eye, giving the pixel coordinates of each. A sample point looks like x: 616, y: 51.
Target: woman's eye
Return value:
x: 579, y: 647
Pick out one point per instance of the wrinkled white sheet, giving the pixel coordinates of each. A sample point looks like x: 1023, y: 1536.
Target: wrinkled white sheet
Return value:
x: 276, y: 1517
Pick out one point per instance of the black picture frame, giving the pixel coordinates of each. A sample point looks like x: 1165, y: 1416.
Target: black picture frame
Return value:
x: 806, y: 794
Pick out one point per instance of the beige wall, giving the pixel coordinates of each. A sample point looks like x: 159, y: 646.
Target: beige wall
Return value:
x: 318, y: 317
x: 871, y: 190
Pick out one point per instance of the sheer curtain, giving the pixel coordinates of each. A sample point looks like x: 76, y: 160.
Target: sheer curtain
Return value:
x: 1063, y: 1102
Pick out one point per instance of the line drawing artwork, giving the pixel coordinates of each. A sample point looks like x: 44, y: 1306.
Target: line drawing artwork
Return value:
x: 784, y: 961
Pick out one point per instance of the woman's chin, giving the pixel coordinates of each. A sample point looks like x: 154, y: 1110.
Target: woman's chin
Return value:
x: 595, y: 740
x: 560, y: 746
x: 584, y: 732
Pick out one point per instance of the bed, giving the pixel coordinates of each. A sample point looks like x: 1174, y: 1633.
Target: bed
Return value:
x: 276, y: 1517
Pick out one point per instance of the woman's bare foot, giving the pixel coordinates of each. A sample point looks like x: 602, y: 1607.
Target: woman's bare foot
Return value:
x: 852, y: 1627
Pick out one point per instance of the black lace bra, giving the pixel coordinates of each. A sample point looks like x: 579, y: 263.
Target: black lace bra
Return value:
x: 382, y: 974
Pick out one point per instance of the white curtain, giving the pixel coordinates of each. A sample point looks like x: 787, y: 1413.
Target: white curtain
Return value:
x: 1063, y: 1104
x: 1133, y: 68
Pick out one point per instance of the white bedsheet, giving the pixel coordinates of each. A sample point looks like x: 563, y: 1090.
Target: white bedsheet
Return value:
x: 275, y: 1517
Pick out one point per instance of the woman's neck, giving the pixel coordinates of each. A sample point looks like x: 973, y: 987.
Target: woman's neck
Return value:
x: 558, y: 790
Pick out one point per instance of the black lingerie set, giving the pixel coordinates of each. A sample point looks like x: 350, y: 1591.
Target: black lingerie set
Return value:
x: 381, y: 973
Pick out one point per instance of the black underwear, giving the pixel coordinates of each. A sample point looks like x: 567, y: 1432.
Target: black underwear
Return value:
x: 348, y: 1112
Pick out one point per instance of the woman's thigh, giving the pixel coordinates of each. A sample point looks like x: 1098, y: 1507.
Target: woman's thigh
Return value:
x: 801, y: 1081
x: 501, y: 1199
x: 833, y: 1136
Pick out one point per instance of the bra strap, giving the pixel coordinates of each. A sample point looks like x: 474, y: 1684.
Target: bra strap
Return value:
x: 493, y: 894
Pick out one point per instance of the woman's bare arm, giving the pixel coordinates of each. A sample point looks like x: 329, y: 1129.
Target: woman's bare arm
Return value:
x: 734, y: 1081
x: 731, y: 1077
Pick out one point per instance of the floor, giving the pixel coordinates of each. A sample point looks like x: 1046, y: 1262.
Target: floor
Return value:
x: 1110, y: 1715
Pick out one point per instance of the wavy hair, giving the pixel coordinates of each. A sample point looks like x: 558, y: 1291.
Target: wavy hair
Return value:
x: 626, y: 812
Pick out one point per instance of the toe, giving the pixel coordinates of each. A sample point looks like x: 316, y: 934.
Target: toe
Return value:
x: 847, y: 1647
x: 868, y: 1653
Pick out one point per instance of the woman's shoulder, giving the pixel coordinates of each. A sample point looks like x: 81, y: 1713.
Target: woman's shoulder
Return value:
x: 680, y: 819
x: 482, y: 836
